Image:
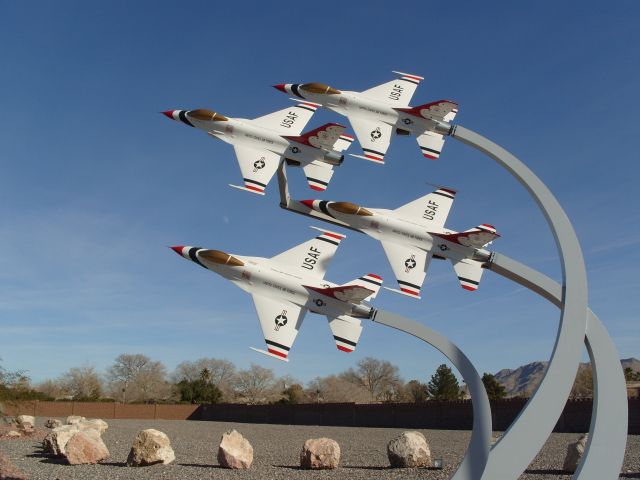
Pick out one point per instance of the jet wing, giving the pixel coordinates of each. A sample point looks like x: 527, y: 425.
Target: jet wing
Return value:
x: 374, y: 137
x: 312, y: 257
x: 397, y: 92
x: 346, y: 332
x: 257, y: 167
x: 288, y: 121
x: 280, y: 321
x: 318, y: 175
x: 409, y: 265
x: 431, y: 210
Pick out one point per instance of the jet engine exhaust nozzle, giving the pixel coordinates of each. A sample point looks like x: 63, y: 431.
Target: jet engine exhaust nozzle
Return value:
x: 333, y: 158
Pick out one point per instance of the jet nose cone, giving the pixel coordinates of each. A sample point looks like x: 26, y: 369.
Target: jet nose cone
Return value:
x: 178, y: 249
x: 281, y: 87
x: 169, y: 114
x: 308, y: 203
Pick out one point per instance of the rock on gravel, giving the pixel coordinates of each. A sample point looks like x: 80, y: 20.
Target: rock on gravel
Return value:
x: 408, y: 450
x: 52, y: 423
x: 320, y: 454
x: 574, y: 454
x: 96, y: 424
x: 74, y: 419
x: 25, y: 422
x: 149, y: 448
x: 85, y: 448
x: 235, y: 451
x: 13, y: 434
x: 55, y: 442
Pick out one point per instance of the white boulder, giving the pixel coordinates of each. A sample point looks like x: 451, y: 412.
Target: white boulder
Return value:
x: 74, y: 419
x: 410, y: 449
x: 56, y: 441
x: 235, y: 451
x: 85, y: 448
x: 150, y: 447
x: 52, y: 423
x: 320, y: 454
x: 575, y: 451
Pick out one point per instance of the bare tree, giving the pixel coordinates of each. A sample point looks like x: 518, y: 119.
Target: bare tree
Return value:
x: 220, y: 373
x: 335, y: 389
x: 416, y: 392
x: 583, y: 384
x: 255, y: 385
x: 52, y: 388
x: 136, y: 378
x: 379, y: 377
x: 81, y: 383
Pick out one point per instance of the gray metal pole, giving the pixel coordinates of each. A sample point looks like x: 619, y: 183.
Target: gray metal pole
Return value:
x: 475, y: 459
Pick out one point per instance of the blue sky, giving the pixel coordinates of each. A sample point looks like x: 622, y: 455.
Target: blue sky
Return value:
x: 96, y: 183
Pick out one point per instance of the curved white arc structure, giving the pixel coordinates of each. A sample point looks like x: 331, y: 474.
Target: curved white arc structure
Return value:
x: 477, y: 455
x: 604, y: 453
x: 523, y: 439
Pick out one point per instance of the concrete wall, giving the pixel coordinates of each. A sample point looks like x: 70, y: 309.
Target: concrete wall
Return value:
x: 435, y: 415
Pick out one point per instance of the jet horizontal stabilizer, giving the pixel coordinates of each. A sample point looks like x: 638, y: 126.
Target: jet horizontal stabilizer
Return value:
x: 346, y: 293
x: 269, y: 354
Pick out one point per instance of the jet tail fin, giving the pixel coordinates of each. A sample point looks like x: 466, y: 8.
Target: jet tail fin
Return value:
x: 440, y: 110
x: 476, y: 237
x: 324, y: 137
x: 355, y: 291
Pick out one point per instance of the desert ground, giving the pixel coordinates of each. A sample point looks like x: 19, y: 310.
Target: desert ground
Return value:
x: 276, y: 451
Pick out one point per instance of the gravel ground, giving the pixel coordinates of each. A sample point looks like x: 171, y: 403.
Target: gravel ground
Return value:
x: 276, y: 450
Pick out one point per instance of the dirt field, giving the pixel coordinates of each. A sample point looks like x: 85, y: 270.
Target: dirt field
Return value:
x: 276, y: 450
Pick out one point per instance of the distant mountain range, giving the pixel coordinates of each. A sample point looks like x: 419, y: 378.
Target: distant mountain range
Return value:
x: 523, y: 380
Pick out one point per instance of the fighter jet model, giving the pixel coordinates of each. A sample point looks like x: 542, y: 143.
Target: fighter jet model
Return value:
x: 285, y: 287
x: 261, y: 143
x: 376, y: 112
x: 412, y: 235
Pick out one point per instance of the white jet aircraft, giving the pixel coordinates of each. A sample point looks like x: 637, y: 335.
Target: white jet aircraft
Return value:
x: 414, y: 234
x: 376, y: 112
x: 261, y: 143
x: 285, y: 287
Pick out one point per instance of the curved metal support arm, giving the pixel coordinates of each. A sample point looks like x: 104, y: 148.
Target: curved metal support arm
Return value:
x: 522, y: 441
x: 605, y: 448
x: 477, y: 455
